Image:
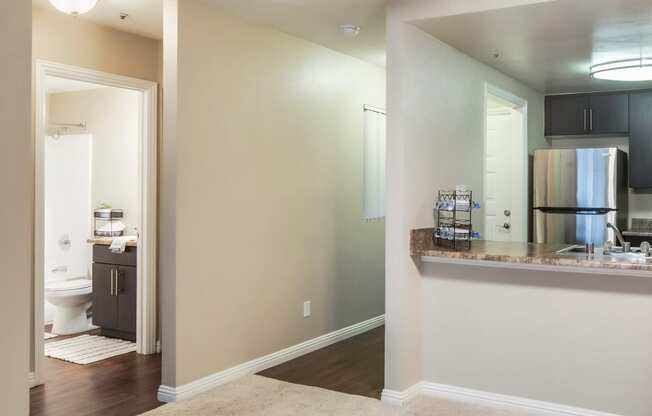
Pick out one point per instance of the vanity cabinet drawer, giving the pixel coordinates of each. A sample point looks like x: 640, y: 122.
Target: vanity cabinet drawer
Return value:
x: 102, y: 254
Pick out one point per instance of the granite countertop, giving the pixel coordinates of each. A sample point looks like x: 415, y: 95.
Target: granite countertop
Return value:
x: 106, y: 241
x: 537, y: 256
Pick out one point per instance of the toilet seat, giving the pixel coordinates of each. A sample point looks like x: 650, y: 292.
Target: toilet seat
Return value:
x: 69, y: 287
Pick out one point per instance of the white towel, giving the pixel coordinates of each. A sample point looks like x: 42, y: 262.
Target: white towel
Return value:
x: 119, y: 244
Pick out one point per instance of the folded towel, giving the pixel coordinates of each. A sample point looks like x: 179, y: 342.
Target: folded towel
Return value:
x: 119, y: 244
x: 111, y: 226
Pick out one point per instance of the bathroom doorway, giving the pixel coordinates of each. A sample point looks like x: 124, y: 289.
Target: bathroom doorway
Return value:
x: 95, y: 217
x: 505, y: 166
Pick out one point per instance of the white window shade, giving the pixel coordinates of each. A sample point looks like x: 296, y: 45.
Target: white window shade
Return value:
x: 374, y: 163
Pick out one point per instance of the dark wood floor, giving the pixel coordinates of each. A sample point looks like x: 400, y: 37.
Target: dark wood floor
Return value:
x: 120, y: 386
x: 354, y: 366
x: 127, y: 385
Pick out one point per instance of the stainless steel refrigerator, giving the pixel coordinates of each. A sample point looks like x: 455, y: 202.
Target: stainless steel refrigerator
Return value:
x: 576, y: 192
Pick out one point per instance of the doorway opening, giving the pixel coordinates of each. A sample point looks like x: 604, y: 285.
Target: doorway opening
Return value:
x: 505, y: 166
x: 95, y: 216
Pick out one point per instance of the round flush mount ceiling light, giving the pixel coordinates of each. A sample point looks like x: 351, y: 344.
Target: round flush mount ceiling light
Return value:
x: 74, y: 7
x: 639, y: 69
x: 350, y: 30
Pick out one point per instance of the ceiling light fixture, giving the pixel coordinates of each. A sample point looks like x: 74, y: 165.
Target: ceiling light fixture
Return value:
x: 74, y: 7
x: 639, y: 69
x: 350, y: 30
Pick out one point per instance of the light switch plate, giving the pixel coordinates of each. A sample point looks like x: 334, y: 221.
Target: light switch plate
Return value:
x: 306, y: 309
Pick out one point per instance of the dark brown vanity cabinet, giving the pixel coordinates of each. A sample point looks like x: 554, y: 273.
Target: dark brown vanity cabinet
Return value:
x: 587, y: 114
x: 114, y: 292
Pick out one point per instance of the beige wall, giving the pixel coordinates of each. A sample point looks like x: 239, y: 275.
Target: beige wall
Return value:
x: 268, y: 192
x: 112, y: 117
x: 16, y: 175
x: 435, y: 141
x: 572, y: 339
x: 167, y: 197
x: 575, y: 339
x: 63, y: 39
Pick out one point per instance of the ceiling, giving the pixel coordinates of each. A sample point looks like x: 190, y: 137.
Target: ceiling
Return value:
x: 145, y: 16
x: 55, y: 85
x: 317, y: 21
x: 551, y: 46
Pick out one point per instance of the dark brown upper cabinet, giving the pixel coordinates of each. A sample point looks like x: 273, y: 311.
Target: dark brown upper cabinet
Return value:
x: 609, y: 114
x: 567, y: 115
x: 587, y: 114
x: 640, y: 140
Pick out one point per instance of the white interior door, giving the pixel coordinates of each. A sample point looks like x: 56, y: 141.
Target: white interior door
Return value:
x: 504, y: 170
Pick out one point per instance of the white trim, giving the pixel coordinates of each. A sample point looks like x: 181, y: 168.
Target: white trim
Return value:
x: 446, y: 392
x: 146, y: 321
x: 537, y: 267
x: 522, y: 106
x: 186, y: 391
x: 31, y: 380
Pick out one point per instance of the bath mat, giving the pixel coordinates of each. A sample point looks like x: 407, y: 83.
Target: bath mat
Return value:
x: 48, y: 335
x: 87, y: 349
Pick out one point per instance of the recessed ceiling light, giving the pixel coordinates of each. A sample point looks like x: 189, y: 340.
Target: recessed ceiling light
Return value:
x: 350, y: 30
x: 639, y: 69
x: 74, y: 7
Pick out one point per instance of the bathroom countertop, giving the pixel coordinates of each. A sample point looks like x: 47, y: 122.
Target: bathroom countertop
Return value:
x: 106, y: 241
x: 525, y: 256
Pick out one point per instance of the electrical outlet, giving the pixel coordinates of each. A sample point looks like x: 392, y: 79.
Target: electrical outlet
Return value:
x: 306, y: 309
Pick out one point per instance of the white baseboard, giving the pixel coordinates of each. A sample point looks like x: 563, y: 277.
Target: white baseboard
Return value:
x: 401, y: 398
x: 31, y: 380
x: 174, y: 394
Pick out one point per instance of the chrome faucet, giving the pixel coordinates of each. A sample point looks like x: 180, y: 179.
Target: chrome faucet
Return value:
x: 619, y: 235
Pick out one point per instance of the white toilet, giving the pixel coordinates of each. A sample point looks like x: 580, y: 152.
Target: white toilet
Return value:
x: 72, y: 298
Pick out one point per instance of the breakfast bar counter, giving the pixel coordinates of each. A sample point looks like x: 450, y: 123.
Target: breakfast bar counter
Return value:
x: 527, y: 256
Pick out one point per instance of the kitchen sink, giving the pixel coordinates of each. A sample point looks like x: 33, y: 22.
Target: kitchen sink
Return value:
x: 576, y: 249
x: 616, y: 253
x: 627, y: 256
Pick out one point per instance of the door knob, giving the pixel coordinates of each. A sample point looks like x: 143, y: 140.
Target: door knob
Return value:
x: 507, y: 213
x: 507, y: 226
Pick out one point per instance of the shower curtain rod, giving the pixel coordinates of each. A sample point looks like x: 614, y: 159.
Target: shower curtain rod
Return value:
x: 80, y: 125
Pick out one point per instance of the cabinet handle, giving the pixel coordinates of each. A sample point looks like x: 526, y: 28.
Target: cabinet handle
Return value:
x: 591, y: 119
x: 585, y: 119
x: 117, y: 282
x: 112, y: 282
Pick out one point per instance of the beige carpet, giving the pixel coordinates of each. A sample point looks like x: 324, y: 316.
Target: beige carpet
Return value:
x: 256, y: 395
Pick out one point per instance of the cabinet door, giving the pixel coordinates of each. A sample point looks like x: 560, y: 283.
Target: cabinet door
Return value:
x: 567, y: 115
x: 609, y: 114
x: 640, y: 140
x: 127, y: 286
x: 104, y: 303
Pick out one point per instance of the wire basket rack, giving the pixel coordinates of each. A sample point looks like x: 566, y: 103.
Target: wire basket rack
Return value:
x: 106, y: 222
x: 454, y: 219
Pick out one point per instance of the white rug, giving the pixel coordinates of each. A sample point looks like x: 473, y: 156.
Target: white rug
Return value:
x: 260, y: 396
x: 48, y: 335
x: 87, y: 349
